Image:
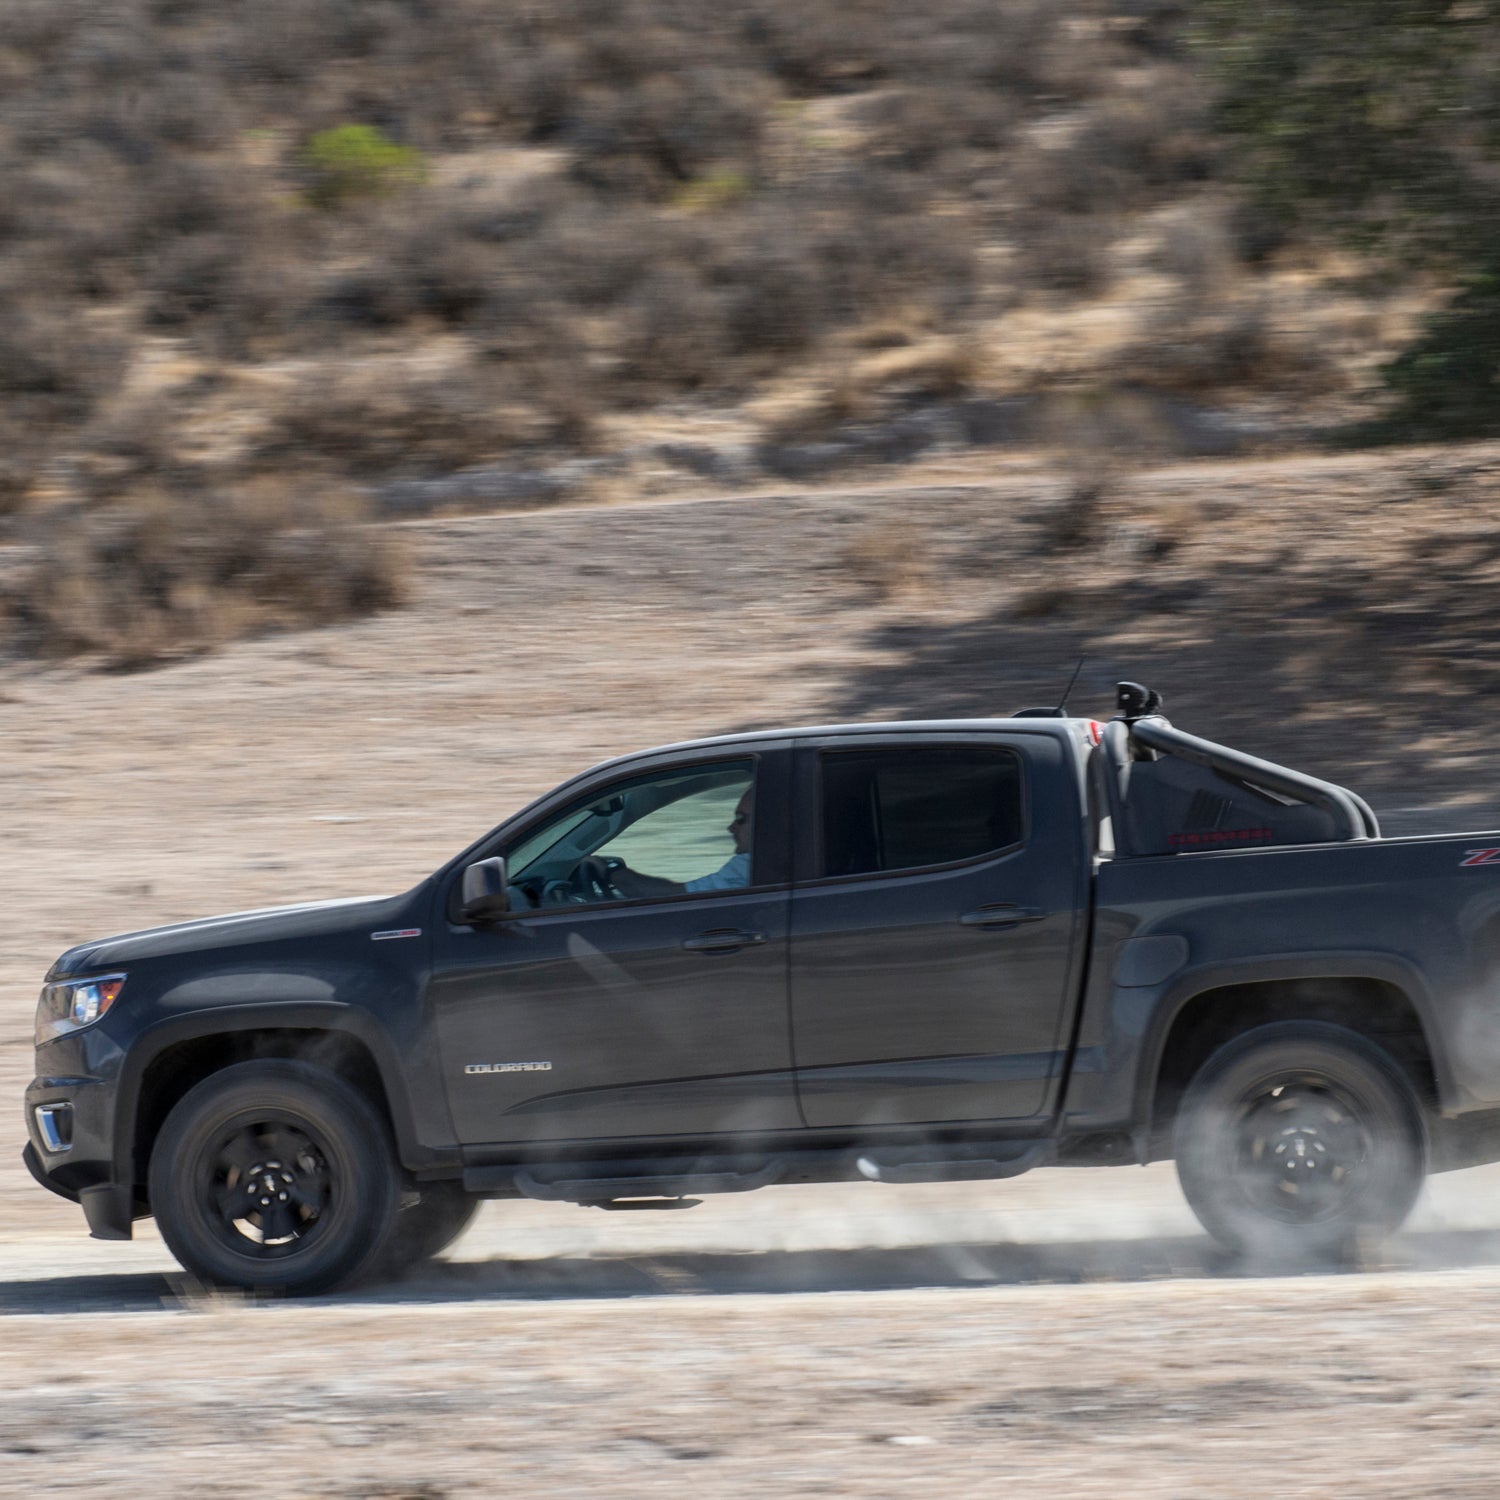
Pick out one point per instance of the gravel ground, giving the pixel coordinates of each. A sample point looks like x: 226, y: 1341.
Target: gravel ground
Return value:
x: 1069, y: 1330
x: 1066, y: 1333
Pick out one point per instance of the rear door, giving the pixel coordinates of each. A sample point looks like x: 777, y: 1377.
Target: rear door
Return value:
x: 936, y: 923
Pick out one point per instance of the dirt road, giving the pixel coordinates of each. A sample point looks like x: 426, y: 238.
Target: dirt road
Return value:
x: 1068, y: 1333
x: 1073, y: 1335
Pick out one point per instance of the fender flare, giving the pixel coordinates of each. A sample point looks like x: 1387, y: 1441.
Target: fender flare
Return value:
x: 1381, y: 968
x: 311, y: 1016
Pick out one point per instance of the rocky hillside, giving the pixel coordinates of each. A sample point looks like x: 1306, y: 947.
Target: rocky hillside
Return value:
x: 273, y: 266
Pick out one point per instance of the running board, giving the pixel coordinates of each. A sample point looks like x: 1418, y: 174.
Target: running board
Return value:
x: 604, y: 1181
x: 619, y: 1204
x: 956, y: 1163
x: 607, y: 1189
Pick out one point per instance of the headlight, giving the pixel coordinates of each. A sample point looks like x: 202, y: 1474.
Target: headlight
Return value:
x: 73, y: 1004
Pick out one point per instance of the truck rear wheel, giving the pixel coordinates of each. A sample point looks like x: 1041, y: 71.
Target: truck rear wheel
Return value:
x: 1300, y: 1141
x: 274, y: 1176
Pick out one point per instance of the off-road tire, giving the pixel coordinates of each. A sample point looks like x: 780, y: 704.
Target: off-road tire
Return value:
x: 293, y: 1137
x: 426, y: 1227
x: 1300, y: 1142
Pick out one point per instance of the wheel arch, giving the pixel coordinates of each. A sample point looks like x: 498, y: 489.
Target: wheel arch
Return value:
x: 1376, y: 1006
x: 174, y: 1057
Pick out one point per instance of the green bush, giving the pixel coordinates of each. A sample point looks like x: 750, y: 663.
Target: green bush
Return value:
x: 712, y: 192
x: 1379, y: 120
x: 358, y: 161
x: 1447, y: 383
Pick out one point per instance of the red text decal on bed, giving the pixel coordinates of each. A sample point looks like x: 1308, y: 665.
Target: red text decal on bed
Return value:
x: 1221, y: 836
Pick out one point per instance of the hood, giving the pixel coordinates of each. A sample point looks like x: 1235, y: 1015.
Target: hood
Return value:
x: 264, y: 925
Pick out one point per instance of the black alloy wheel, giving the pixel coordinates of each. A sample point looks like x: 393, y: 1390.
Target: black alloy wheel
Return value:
x: 1300, y: 1140
x: 274, y: 1176
x: 270, y: 1183
x: 1303, y: 1148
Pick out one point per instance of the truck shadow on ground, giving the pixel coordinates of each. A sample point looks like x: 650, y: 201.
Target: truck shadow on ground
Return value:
x: 701, y: 1273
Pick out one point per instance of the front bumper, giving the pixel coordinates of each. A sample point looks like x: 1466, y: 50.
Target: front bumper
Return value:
x: 70, y: 1149
x: 33, y: 1161
x: 108, y: 1209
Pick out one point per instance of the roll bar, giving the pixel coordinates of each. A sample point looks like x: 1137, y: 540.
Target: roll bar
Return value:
x: 1155, y: 733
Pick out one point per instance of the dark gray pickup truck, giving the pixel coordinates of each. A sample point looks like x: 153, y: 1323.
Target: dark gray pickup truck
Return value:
x: 905, y: 953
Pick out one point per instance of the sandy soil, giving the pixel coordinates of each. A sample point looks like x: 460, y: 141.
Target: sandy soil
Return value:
x: 1069, y: 1331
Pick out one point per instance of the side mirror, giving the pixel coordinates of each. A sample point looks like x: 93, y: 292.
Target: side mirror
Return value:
x: 486, y: 892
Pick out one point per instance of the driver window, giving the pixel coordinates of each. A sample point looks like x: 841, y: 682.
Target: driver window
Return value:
x: 679, y: 832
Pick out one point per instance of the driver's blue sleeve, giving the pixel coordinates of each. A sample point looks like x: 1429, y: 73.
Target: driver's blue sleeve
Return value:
x: 732, y: 875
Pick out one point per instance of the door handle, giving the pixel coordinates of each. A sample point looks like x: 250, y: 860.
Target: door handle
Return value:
x: 1001, y: 914
x: 723, y: 940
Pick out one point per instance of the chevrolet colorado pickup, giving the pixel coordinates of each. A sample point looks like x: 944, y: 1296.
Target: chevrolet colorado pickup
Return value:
x: 906, y: 952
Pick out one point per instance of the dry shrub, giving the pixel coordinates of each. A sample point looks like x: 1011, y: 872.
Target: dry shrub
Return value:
x: 1023, y: 46
x: 1074, y: 185
x: 871, y: 388
x: 1043, y: 602
x: 20, y: 460
x: 667, y: 125
x: 166, y: 575
x: 932, y: 369
x: 1125, y: 153
x: 1103, y: 428
x: 387, y: 420
x: 811, y: 415
x: 887, y: 559
x: 1197, y: 248
x: 642, y: 303
x: 1236, y: 343
x: 131, y: 446
x: 673, y: 332
x: 423, y: 259
x: 1150, y: 139
x: 1063, y: 252
x: 935, y: 130
x: 53, y: 368
x: 1076, y: 522
x: 239, y: 295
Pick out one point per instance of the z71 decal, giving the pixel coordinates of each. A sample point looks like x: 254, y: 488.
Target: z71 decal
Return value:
x: 1480, y: 857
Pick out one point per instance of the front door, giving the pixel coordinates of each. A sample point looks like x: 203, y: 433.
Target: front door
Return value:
x: 935, y: 923
x: 639, y: 990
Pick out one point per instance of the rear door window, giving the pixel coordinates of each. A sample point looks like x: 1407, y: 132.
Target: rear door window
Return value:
x: 903, y: 808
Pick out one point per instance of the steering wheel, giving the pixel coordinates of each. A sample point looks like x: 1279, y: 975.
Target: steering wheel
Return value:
x: 589, y: 880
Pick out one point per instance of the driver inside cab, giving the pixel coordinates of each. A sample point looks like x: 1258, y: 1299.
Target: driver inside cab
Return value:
x: 732, y: 875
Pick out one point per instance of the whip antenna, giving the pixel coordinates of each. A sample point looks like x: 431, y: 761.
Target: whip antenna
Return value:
x: 1072, y: 681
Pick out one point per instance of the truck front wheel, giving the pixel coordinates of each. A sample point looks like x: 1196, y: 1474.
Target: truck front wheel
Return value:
x: 276, y: 1176
x: 1300, y: 1140
x: 442, y: 1211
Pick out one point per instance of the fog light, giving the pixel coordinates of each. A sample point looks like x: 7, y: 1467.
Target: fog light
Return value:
x: 54, y: 1122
